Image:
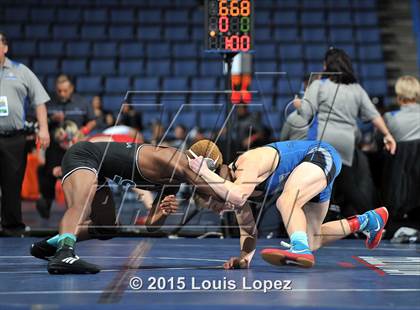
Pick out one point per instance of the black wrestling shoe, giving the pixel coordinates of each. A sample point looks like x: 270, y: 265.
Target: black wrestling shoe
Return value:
x: 43, y: 250
x: 66, y: 262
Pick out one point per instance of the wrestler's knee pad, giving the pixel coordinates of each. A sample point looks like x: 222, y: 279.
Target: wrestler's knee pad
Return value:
x: 103, y: 233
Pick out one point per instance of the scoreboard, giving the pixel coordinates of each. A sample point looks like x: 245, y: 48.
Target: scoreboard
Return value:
x: 229, y: 26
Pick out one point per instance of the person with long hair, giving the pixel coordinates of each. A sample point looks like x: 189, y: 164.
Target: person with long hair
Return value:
x: 333, y: 105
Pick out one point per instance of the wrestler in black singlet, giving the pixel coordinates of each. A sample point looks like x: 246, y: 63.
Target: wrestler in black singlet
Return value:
x: 109, y: 160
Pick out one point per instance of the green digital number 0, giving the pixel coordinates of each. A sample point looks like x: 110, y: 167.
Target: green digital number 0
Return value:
x: 245, y: 24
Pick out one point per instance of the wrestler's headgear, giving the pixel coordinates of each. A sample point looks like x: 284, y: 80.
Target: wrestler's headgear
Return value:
x: 209, y: 150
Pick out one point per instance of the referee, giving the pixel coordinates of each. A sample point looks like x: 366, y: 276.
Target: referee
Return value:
x: 18, y: 85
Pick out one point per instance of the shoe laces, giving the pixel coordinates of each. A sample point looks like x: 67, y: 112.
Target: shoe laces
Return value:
x: 286, y: 245
x: 290, y: 247
x: 69, y: 251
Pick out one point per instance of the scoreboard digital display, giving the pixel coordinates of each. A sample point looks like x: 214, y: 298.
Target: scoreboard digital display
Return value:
x: 229, y: 26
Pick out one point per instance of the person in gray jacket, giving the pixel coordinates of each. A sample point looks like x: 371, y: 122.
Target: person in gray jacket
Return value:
x: 18, y: 87
x: 404, y: 123
x: 332, y: 105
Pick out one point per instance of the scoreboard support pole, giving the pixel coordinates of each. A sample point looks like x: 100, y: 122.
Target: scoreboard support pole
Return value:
x: 226, y: 219
x: 227, y: 60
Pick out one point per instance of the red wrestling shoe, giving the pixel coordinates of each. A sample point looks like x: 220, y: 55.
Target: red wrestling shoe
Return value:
x: 374, y: 229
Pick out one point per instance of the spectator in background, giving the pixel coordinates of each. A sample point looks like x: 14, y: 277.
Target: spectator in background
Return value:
x: 400, y: 174
x: 196, y: 134
x: 126, y: 123
x: 66, y: 105
x: 130, y: 117
x: 180, y: 136
x: 405, y: 123
x: 333, y: 105
x: 307, y: 80
x: 99, y: 113
x: 248, y: 129
x: 109, y: 120
x: 17, y: 83
x: 157, y: 134
x: 296, y: 127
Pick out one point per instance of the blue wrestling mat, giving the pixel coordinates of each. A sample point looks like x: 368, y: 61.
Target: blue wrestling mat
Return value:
x: 187, y: 274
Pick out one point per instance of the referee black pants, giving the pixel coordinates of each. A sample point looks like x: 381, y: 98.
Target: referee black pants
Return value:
x: 12, y: 169
x: 53, y: 156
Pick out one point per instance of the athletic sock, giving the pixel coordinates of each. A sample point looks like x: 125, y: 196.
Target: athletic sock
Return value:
x: 358, y: 222
x: 54, y: 240
x: 67, y: 240
x: 299, y: 241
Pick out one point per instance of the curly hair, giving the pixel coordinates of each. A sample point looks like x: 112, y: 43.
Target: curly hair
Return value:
x: 207, y: 148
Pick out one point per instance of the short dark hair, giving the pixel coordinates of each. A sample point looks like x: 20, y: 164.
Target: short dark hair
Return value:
x: 3, y: 37
x: 63, y: 78
x: 336, y: 60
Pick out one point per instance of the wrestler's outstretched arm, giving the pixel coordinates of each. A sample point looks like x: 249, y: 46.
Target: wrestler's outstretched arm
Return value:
x: 248, y: 239
x: 247, y: 227
x: 235, y: 193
